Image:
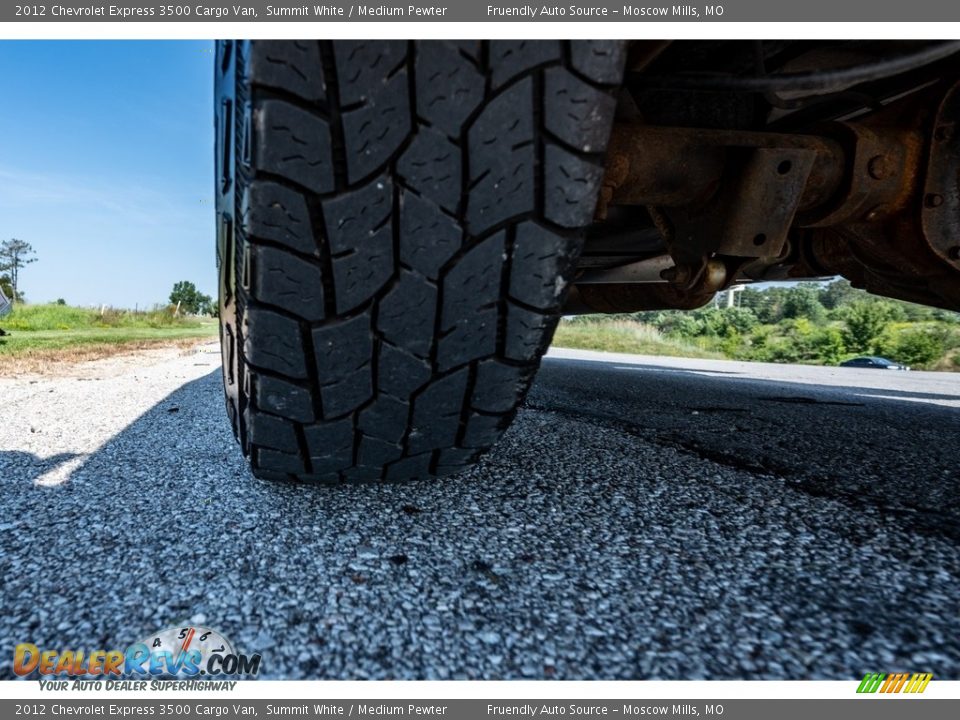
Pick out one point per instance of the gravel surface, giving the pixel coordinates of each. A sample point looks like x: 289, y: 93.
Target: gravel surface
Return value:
x: 643, y: 518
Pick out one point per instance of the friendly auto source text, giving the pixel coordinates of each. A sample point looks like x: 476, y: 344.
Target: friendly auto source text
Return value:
x: 583, y: 11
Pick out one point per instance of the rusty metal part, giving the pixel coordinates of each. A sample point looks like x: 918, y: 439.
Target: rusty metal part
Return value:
x: 732, y: 193
x: 675, y: 167
x: 941, y: 192
x: 624, y: 298
x: 904, y: 250
x: 882, y: 264
x: 884, y: 163
x: 643, y: 271
x: 876, y: 200
x: 681, y: 287
x: 775, y: 179
x: 858, y: 173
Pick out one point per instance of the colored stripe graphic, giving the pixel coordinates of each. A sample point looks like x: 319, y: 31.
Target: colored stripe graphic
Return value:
x: 870, y: 683
x: 894, y: 683
x: 918, y: 683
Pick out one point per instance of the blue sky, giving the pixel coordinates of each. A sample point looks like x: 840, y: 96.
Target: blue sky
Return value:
x: 106, y: 167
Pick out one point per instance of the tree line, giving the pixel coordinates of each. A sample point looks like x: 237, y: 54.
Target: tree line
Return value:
x: 16, y: 254
x: 816, y: 323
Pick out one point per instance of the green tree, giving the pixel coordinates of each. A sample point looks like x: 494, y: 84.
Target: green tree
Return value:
x: 190, y: 300
x: 767, y: 304
x: 741, y: 319
x: 803, y: 301
x: 14, y: 256
x: 839, y: 293
x: 828, y: 345
x: 912, y: 345
x: 864, y: 320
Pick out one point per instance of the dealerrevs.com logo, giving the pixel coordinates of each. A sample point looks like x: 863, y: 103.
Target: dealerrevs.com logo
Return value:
x: 190, y: 651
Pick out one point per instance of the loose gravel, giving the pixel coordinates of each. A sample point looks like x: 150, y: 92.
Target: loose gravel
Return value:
x: 643, y: 518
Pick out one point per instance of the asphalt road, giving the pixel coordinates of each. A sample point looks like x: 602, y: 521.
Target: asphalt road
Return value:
x: 643, y: 518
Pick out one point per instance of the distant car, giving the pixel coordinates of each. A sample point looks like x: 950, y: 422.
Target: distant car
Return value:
x: 877, y: 363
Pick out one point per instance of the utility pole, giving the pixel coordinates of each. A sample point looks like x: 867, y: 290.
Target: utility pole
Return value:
x: 732, y: 293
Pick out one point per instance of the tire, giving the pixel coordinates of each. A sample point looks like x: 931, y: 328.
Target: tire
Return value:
x: 397, y: 225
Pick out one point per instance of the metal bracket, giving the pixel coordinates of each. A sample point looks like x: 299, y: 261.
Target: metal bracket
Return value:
x: 941, y: 194
x: 771, y: 187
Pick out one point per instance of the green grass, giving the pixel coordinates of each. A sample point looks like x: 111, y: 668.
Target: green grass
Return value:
x: 65, y: 317
x: 625, y: 336
x: 50, y: 331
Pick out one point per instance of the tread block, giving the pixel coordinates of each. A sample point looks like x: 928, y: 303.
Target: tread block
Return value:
x: 436, y: 413
x: 406, y: 314
x: 272, y: 432
x: 456, y: 458
x: 509, y: 58
x: 374, y: 131
x: 410, y: 468
x: 348, y: 394
x: 431, y: 166
x: 284, y: 280
x: 577, y: 112
x: 498, y: 387
x: 600, y: 60
x: 330, y: 440
x: 400, y: 374
x: 274, y: 212
x: 473, y: 281
x: 471, y: 291
x: 283, y: 398
x: 471, y: 338
x: 273, y: 342
x: 541, y: 260
x: 360, y: 275
x: 328, y: 469
x: 430, y: 237
x: 470, y: 47
x: 376, y: 453
x: 526, y: 332
x: 278, y: 462
x: 342, y: 347
x: 363, y: 65
x: 363, y: 474
x: 385, y: 419
x: 295, y: 144
x: 360, y: 232
x: 352, y: 217
x: 449, y: 87
x: 291, y: 65
x: 484, y: 430
x: 572, y: 188
x: 502, y: 159
x: 506, y: 121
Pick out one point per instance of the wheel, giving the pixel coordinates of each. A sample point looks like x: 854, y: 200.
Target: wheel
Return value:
x: 397, y: 224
